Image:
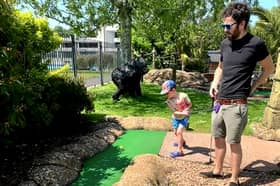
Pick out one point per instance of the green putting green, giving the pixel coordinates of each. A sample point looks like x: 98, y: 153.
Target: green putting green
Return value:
x: 106, y: 168
x: 265, y: 93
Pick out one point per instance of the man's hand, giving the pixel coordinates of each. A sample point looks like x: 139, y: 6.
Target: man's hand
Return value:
x: 213, y: 91
x: 267, y: 69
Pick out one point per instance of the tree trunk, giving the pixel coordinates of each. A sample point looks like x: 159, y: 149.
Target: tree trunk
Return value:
x: 270, y: 127
x: 124, y: 11
x: 125, y: 25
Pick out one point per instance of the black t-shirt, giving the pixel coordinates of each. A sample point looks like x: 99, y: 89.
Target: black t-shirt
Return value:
x: 239, y: 59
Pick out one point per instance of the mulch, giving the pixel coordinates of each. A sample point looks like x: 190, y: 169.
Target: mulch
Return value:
x: 187, y: 173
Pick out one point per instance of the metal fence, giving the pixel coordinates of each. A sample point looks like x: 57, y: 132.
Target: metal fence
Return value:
x: 91, y: 61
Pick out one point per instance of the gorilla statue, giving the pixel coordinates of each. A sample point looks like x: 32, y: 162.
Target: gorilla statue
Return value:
x: 127, y: 78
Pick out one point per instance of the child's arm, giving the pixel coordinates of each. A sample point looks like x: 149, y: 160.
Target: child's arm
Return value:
x: 184, y: 107
x: 171, y: 105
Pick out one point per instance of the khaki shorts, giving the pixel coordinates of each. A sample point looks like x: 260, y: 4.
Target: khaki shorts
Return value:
x: 230, y: 122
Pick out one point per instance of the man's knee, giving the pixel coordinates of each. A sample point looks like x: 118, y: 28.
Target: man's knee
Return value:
x: 235, y: 148
x: 220, y: 142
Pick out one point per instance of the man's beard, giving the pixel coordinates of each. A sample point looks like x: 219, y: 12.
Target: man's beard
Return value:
x: 232, y: 36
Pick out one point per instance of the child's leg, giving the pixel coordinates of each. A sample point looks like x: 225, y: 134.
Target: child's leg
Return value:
x: 185, y: 124
x: 180, y: 139
x: 175, y: 132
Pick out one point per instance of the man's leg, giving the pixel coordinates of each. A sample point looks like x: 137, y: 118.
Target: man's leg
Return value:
x: 236, y: 158
x: 236, y: 120
x: 220, y: 151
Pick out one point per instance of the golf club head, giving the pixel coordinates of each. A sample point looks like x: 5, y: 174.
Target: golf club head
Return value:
x: 209, y: 162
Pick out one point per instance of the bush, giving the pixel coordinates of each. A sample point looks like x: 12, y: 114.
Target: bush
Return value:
x: 30, y: 99
x: 38, y: 103
x: 66, y: 99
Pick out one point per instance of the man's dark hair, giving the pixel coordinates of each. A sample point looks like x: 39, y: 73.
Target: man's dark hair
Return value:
x: 238, y: 11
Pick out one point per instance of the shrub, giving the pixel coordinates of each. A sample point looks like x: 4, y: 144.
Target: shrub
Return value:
x: 38, y: 103
x: 29, y: 98
x: 66, y: 99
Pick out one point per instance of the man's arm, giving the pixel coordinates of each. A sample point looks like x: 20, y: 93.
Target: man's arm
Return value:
x: 217, y: 77
x: 267, y: 69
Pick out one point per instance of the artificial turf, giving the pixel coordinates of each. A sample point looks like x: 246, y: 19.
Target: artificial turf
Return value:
x: 106, y: 168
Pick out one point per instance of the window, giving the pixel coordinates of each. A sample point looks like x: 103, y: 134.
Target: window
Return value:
x: 88, y: 45
x: 67, y: 45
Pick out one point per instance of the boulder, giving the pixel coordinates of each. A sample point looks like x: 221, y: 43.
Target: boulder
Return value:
x: 147, y: 169
x: 147, y: 123
x: 183, y: 79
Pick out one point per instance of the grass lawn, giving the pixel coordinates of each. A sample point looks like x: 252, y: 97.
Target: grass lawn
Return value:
x: 153, y: 104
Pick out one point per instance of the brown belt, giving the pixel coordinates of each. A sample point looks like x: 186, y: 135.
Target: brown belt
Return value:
x: 232, y: 101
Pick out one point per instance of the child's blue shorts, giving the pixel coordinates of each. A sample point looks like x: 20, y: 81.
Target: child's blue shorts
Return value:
x: 177, y: 122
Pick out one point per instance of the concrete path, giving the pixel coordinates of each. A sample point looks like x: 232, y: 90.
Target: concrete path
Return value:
x: 258, y: 155
x: 97, y: 81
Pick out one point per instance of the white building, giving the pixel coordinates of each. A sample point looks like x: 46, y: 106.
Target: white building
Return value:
x: 106, y: 41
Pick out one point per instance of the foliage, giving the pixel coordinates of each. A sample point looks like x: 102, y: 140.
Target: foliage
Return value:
x: 182, y: 27
x: 92, y: 62
x: 152, y: 104
x: 61, y: 71
x: 87, y: 61
x: 41, y: 102
x: 62, y: 32
x: 268, y: 28
x: 140, y: 44
x: 25, y: 88
x: 26, y: 39
x: 66, y: 99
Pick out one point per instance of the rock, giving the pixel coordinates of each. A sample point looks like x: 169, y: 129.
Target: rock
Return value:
x: 62, y: 165
x: 52, y: 175
x: 183, y: 79
x: 147, y: 123
x: 62, y: 159
x: 261, y: 131
x: 147, y: 169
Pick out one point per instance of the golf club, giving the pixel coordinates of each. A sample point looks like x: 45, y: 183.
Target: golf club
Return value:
x: 210, y: 148
x: 210, y: 161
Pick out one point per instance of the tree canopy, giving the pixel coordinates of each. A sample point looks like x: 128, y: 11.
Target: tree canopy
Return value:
x: 176, y: 25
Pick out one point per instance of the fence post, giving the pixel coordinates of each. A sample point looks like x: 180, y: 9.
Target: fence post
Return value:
x: 173, y: 64
x: 100, y: 63
x: 118, y: 56
x: 74, y: 63
x: 154, y: 57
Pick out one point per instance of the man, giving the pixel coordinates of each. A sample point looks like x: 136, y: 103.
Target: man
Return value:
x: 231, y: 86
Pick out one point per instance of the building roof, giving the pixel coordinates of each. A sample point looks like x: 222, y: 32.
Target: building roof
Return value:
x: 214, y: 55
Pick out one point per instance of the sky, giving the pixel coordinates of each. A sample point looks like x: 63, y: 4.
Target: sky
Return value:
x: 267, y: 4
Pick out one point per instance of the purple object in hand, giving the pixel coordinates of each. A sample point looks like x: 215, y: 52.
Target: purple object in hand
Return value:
x: 216, y: 107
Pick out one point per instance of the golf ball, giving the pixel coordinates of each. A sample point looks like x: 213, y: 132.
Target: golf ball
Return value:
x: 121, y: 147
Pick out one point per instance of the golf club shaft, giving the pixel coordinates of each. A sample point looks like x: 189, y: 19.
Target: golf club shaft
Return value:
x: 210, y: 149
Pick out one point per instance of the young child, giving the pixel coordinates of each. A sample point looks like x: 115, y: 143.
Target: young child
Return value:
x: 179, y: 103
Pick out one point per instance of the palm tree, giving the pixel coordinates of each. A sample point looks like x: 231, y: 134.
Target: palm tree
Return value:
x: 268, y: 28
